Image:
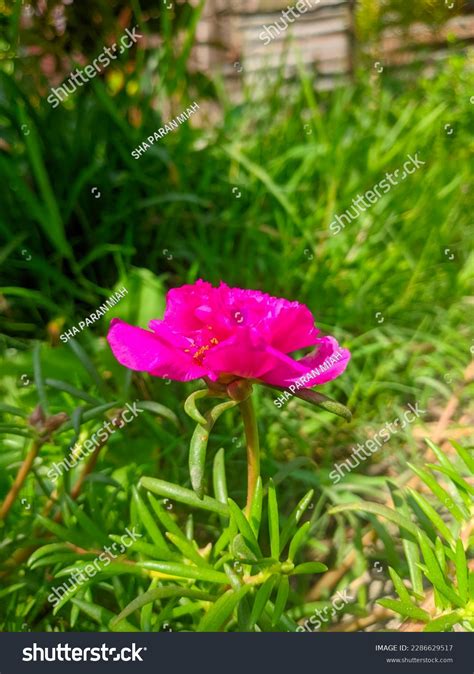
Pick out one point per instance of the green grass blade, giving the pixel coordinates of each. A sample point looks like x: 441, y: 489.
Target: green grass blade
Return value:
x: 273, y: 521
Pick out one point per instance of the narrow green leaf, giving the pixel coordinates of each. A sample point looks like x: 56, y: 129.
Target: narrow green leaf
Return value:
x: 185, y: 571
x: 440, y: 455
x: 376, y: 509
x: 189, y: 529
x: 234, y: 578
x: 165, y: 518
x: 400, y: 587
x: 256, y: 508
x: 105, y: 569
x: 440, y: 555
x: 244, y: 610
x: 72, y: 390
x: 443, y: 623
x: 471, y: 585
x: 285, y: 624
x: 222, y: 542
x: 38, y: 375
x: 244, y: 527
x: 294, y: 518
x: 64, y: 557
x: 433, y: 571
x: 87, y: 524
x: 221, y: 610
x: 273, y: 521
x: 182, y: 495
x: 187, y: 550
x: 95, y: 413
x: 281, y: 599
x: 9, y: 409
x: 190, y: 406
x: 13, y: 588
x: 442, y: 494
x: 309, y: 567
x: 432, y: 515
x: 241, y: 550
x: 148, y: 549
x: 298, y: 540
x: 465, y: 456
x: 198, y: 446
x: 149, y: 524
x: 158, y: 409
x: 161, y: 593
x: 68, y: 595
x: 49, y: 216
x: 104, y: 617
x: 88, y: 366
x: 61, y: 532
x: 465, y: 487
x: 406, y: 610
x: 410, y: 546
x: 197, y: 458
x: 261, y: 598
x: 462, y: 571
x: 219, y: 477
x: 45, y: 550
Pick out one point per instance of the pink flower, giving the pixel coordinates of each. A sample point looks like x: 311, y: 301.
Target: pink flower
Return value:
x: 226, y: 333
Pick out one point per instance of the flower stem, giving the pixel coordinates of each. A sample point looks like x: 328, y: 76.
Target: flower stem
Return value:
x: 253, y: 449
x: 21, y: 477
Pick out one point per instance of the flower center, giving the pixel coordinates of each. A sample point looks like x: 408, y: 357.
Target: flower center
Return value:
x: 198, y: 356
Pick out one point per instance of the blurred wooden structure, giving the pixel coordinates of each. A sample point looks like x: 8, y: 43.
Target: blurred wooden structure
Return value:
x: 229, y: 39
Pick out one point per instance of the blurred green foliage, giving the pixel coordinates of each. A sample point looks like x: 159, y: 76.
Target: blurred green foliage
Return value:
x: 373, y: 16
x: 245, y: 195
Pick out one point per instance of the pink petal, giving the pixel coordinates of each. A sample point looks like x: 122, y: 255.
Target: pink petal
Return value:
x: 287, y: 326
x: 307, y: 371
x: 244, y: 354
x: 184, y: 304
x: 144, y: 351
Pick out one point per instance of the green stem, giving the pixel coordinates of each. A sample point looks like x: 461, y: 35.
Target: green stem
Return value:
x: 253, y: 450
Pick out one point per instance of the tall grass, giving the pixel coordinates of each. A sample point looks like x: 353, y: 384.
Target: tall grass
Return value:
x: 248, y: 200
